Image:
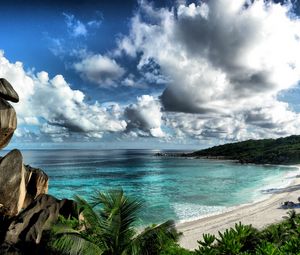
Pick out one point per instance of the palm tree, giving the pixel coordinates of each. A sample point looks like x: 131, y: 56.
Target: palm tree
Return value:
x: 107, y: 228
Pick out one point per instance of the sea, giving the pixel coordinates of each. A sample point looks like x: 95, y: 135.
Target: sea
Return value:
x: 182, y: 189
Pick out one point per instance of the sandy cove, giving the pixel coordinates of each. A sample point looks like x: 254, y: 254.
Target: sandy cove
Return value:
x: 259, y: 214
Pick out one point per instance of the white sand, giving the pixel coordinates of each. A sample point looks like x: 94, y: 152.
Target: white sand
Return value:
x: 259, y: 214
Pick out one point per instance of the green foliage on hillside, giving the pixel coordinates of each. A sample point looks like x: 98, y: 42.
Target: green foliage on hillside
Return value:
x: 266, y: 151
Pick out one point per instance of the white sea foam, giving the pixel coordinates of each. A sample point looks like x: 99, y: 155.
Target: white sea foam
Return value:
x: 189, y: 212
x: 274, y: 184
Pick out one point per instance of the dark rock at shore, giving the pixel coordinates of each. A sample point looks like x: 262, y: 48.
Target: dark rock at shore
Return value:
x: 12, y: 183
x: 160, y: 154
x: 7, y: 91
x: 170, y: 154
x: 36, y: 182
x: 27, y: 228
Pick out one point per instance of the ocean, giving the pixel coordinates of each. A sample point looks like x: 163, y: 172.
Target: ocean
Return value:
x: 171, y: 188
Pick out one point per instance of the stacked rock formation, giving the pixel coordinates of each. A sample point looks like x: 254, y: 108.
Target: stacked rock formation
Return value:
x: 25, y: 208
x: 8, y: 117
x: 19, y: 184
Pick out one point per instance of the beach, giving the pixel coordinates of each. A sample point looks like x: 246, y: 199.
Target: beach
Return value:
x: 259, y: 214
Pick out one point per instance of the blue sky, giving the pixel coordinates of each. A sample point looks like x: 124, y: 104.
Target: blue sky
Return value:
x: 163, y: 74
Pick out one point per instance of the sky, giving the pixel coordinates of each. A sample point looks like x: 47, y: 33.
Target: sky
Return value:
x: 143, y: 74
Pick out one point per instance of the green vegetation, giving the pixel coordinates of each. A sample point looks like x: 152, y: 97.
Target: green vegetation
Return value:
x: 277, y: 239
x: 107, y: 227
x: 266, y: 151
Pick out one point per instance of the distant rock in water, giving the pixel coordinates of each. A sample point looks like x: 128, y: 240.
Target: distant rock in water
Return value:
x: 170, y: 154
x: 7, y: 91
x: 161, y: 154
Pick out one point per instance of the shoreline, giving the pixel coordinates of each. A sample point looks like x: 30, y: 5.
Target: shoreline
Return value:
x: 259, y: 213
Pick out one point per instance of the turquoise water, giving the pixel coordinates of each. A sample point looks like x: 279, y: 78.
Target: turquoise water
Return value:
x: 171, y: 188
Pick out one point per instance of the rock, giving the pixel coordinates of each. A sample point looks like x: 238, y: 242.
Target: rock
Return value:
x: 288, y: 205
x: 7, y: 92
x: 36, y: 182
x: 12, y: 183
x: 10, y: 250
x: 160, y: 154
x: 29, y: 225
x: 8, y: 122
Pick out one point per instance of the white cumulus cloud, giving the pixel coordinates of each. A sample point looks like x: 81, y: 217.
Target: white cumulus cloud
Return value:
x: 227, y: 61
x: 145, y: 117
x: 99, y: 69
x: 61, y: 109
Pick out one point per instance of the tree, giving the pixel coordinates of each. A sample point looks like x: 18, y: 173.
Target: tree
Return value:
x: 108, y: 228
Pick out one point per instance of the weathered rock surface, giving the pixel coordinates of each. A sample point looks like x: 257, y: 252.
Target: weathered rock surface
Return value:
x: 24, y: 187
x: 19, y: 184
x: 12, y: 183
x: 8, y: 122
x: 7, y: 91
x: 29, y: 225
x: 36, y: 182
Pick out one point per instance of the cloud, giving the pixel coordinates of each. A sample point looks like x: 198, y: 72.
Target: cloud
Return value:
x: 73, y: 42
x: 195, y: 126
x: 221, y: 65
x: 62, y: 110
x: 94, y: 23
x: 275, y: 116
x: 31, y: 120
x: 99, y: 69
x: 227, y: 60
x: 55, y: 133
x: 267, y: 120
x: 129, y: 81
x: 77, y: 28
x: 145, y: 117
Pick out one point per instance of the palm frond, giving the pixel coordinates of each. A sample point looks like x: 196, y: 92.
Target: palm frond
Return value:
x: 91, y: 220
x: 118, y: 213
x: 108, y: 228
x: 75, y: 244
x: 60, y: 229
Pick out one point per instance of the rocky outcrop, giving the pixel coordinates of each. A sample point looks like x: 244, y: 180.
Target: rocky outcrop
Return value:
x: 36, y: 183
x: 12, y: 183
x: 29, y: 225
x: 23, y: 187
x: 7, y: 91
x: 19, y: 184
x: 8, y: 122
